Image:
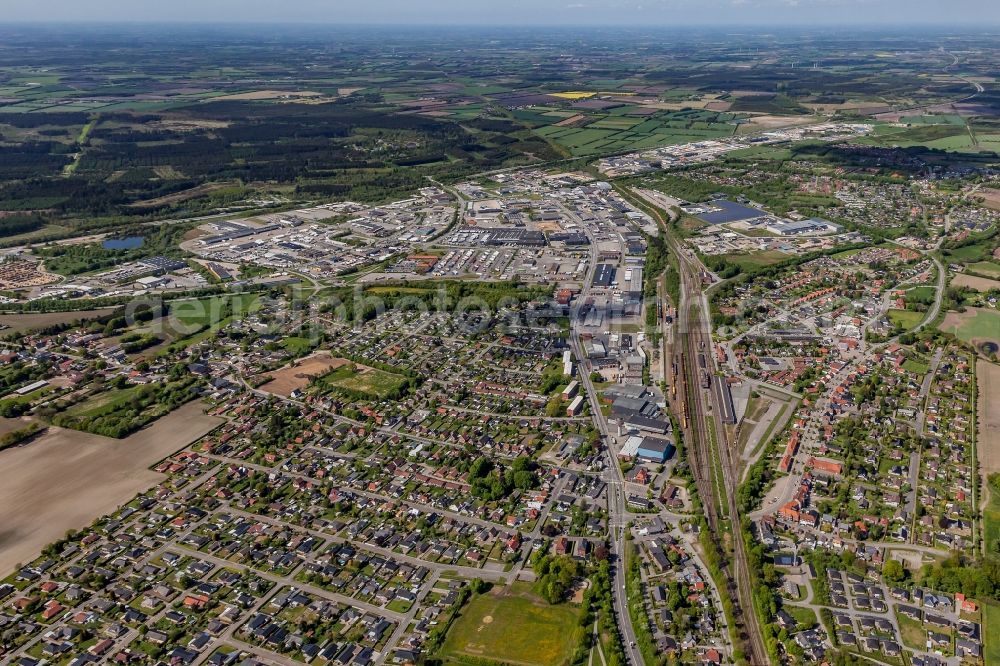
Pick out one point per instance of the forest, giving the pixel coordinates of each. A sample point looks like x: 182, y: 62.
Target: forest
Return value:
x: 138, y: 166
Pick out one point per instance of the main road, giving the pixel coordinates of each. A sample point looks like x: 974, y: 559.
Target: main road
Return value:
x: 617, y: 515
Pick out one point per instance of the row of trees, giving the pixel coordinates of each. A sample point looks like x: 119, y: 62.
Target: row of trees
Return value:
x: 21, y: 435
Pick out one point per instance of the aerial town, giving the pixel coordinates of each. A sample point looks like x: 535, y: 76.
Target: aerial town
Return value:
x: 731, y: 400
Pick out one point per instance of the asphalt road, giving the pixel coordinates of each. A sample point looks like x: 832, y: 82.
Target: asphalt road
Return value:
x: 617, y: 515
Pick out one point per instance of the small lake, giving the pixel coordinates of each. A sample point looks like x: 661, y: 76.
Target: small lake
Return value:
x: 129, y: 243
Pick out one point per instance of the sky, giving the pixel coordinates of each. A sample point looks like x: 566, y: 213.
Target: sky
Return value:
x: 648, y: 13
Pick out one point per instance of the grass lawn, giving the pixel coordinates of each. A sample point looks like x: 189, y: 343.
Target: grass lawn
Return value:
x: 905, y: 319
x: 105, y: 402
x: 912, y: 633
x: 296, y: 345
x: 363, y: 379
x: 915, y: 366
x: 966, y: 253
x: 805, y: 617
x: 516, y: 628
x: 399, y: 606
x: 761, y: 153
x: 922, y: 293
x: 991, y: 522
x: 986, y: 268
x: 212, y: 310
x: 848, y: 253
x: 991, y: 629
x: 201, y: 319
x: 757, y: 259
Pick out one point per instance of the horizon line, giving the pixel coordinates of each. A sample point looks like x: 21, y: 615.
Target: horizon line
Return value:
x: 305, y: 23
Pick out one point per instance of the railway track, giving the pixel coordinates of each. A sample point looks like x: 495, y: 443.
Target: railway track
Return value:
x: 735, y: 568
x: 692, y: 340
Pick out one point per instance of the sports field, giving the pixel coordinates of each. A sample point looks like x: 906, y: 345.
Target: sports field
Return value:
x: 516, y: 628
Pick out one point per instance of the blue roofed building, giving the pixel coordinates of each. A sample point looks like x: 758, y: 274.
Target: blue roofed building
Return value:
x: 655, y: 449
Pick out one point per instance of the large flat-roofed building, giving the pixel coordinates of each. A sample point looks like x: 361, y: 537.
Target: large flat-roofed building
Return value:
x: 635, y: 287
x: 515, y: 237
x: 219, y: 271
x: 152, y: 282
x: 655, y: 449
x: 604, y: 275
x: 720, y: 211
x: 647, y: 424
x: 163, y: 264
x: 569, y: 238
x: 794, y: 228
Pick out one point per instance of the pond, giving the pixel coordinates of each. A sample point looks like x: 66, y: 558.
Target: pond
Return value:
x: 129, y: 243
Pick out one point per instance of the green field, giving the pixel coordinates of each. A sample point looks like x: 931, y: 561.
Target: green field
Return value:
x: 915, y: 366
x: 991, y: 516
x: 212, y: 310
x: 771, y: 152
x: 757, y: 259
x: 806, y: 617
x: 941, y: 132
x: 362, y: 379
x: 973, y: 324
x: 515, y: 628
x: 934, y: 119
x: 609, y: 131
x: 14, y: 399
x: 989, y: 268
x: 905, y: 319
x: 912, y: 633
x: 104, y: 403
x: 991, y: 629
x: 922, y: 293
x: 966, y: 253
x: 296, y: 345
x: 848, y: 253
